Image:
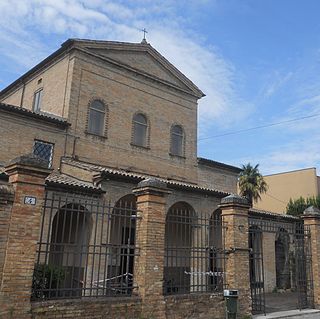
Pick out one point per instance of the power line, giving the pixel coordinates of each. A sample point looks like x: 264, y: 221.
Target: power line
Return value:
x: 279, y: 200
x: 259, y: 127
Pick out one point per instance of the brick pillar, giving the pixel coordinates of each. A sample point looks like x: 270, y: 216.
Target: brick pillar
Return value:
x: 27, y: 175
x: 150, y: 239
x: 235, y: 216
x: 6, y: 201
x: 311, y: 218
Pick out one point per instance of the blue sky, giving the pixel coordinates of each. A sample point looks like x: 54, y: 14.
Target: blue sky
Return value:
x: 258, y: 61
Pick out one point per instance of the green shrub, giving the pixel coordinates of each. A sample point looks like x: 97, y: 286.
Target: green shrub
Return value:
x: 46, y: 277
x: 296, y: 207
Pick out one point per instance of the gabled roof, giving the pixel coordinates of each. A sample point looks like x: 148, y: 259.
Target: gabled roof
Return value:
x: 88, y: 47
x: 49, y: 118
x: 137, y: 177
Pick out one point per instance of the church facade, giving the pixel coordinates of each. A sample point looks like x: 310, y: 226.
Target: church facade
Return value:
x: 131, y: 219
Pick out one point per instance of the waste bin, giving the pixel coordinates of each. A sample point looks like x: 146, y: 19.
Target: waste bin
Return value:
x: 231, y: 297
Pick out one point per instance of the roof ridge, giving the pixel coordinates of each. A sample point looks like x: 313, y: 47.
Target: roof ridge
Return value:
x: 210, y: 162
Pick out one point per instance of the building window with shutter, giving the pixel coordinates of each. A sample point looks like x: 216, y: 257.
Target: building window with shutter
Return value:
x: 140, y: 130
x: 37, y: 99
x: 177, y: 141
x: 43, y: 150
x: 96, y: 118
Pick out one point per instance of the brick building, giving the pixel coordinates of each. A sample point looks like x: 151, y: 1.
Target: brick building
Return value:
x: 126, y: 209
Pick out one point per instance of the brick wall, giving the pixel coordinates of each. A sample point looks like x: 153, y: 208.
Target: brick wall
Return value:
x: 221, y: 179
x: 98, y: 308
x: 6, y: 201
x: 55, y: 83
x: 200, y: 306
x: 27, y: 175
x: 18, y: 134
x: 125, y: 95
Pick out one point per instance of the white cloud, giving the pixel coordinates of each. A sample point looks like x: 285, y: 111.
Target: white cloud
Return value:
x: 296, y: 155
x: 276, y: 81
x: 300, y: 139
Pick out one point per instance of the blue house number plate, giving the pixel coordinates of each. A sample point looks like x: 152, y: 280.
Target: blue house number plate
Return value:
x: 30, y: 200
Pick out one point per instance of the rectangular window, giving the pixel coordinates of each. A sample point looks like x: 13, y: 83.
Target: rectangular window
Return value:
x: 43, y: 150
x: 37, y: 100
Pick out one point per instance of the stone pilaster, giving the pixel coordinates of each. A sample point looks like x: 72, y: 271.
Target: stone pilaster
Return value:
x: 311, y: 218
x: 27, y: 176
x: 235, y: 211
x: 150, y: 240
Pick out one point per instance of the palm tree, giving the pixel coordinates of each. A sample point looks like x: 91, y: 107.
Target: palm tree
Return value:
x: 251, y: 183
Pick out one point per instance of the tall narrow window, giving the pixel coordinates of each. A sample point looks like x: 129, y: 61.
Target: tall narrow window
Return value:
x: 177, y: 137
x: 37, y: 98
x: 96, y: 122
x: 43, y: 150
x: 140, y: 128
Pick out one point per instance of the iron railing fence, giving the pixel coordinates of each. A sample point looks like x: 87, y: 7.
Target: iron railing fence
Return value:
x: 256, y: 269
x: 86, y: 248
x: 194, y: 252
x: 303, y: 267
x: 292, y: 257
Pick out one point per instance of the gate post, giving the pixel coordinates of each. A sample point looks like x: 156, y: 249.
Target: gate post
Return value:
x: 27, y: 175
x: 311, y: 219
x: 235, y: 211
x: 150, y: 240
x: 6, y: 201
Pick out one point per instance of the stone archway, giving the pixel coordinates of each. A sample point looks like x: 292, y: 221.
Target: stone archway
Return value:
x: 122, y: 243
x: 68, y: 256
x: 282, y: 253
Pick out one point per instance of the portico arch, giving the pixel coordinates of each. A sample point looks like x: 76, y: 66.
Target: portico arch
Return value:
x: 180, y: 222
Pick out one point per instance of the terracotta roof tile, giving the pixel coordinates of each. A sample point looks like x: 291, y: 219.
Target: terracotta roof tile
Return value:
x: 138, y: 177
x: 37, y: 115
x: 271, y: 214
x: 66, y: 180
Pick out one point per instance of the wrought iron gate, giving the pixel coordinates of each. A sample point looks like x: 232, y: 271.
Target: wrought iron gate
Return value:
x: 86, y: 247
x: 293, y: 260
x: 256, y: 269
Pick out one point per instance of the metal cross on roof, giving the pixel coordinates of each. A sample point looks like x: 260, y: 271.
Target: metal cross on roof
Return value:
x: 144, y: 34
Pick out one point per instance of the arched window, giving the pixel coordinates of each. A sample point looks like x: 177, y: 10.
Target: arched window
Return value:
x: 140, y: 130
x: 96, y: 121
x: 177, y: 137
